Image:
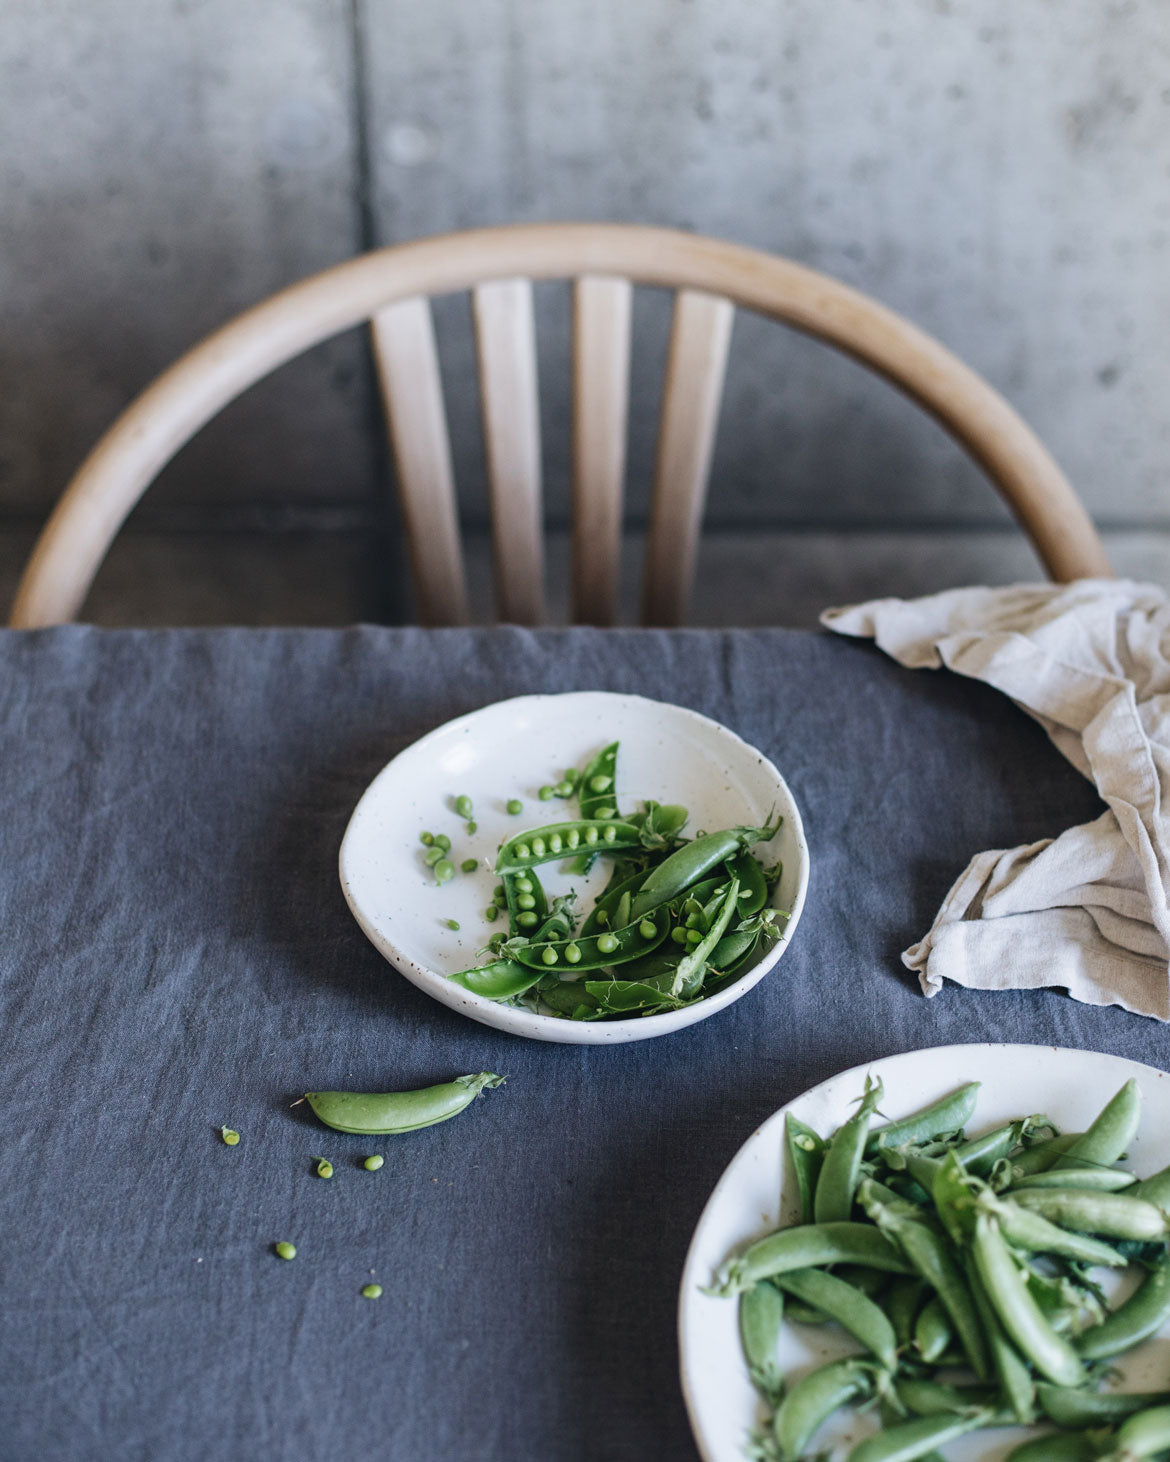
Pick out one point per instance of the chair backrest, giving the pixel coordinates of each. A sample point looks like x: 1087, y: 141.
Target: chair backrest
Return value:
x: 391, y: 288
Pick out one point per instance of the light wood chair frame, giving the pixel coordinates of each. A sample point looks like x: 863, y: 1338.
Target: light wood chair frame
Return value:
x: 391, y: 289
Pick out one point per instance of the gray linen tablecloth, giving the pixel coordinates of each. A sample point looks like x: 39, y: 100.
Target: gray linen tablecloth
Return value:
x: 177, y: 955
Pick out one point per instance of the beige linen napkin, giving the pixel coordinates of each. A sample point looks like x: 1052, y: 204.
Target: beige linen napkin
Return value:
x: 1088, y: 910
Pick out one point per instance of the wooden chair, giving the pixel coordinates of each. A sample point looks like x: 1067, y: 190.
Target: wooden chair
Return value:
x: 391, y: 288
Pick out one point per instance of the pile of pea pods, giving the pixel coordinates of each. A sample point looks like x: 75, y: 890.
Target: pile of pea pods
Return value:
x: 678, y: 919
x: 965, y: 1270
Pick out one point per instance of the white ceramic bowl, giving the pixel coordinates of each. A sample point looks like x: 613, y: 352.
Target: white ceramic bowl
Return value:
x: 511, y: 749
x: 753, y: 1197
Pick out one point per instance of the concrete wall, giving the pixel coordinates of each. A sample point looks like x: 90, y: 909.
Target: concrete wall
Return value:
x: 998, y: 170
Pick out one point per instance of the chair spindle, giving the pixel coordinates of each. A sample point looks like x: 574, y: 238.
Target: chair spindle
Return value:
x: 407, y: 364
x: 505, y: 335
x: 693, y: 385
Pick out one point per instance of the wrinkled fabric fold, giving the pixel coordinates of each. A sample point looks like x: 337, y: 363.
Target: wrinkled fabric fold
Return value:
x: 1087, y: 910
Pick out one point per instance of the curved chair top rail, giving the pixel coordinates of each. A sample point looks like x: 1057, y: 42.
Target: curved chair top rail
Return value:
x: 153, y: 428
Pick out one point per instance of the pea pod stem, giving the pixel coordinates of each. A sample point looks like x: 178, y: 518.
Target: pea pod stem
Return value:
x: 371, y: 1113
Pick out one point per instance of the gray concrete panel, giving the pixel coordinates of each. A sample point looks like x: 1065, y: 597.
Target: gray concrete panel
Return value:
x: 166, y: 163
x: 996, y: 170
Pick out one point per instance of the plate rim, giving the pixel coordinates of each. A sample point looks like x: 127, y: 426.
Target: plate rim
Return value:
x: 689, y: 1285
x: 544, y: 1027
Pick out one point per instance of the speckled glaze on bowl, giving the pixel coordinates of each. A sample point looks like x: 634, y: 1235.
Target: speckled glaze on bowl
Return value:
x: 510, y: 749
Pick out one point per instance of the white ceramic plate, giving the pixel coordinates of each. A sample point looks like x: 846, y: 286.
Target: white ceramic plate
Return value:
x: 754, y: 1196
x: 509, y: 750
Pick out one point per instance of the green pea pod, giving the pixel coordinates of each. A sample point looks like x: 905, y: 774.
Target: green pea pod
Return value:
x: 813, y: 1399
x: 841, y: 1170
x: 806, y: 1152
x: 851, y: 1309
x: 555, y: 840
x: 503, y: 980
x: 523, y: 920
x: 753, y: 886
x: 1011, y: 1370
x: 1100, y: 1180
x: 399, y: 1111
x: 1115, y: 1214
x: 569, y: 997
x: 1042, y: 1155
x: 911, y: 1440
x: 689, y: 863
x: 979, y: 1155
x: 932, y: 1331
x: 932, y: 1398
x: 949, y: 1114
x: 1145, y: 1312
x: 1081, y: 1408
x: 732, y: 948
x: 656, y: 968
x: 600, y: 917
x: 1143, y: 1435
x: 871, y: 1282
x: 1066, y: 1305
x: 1155, y: 1189
x: 1028, y: 1228
x: 1018, y: 1311
x: 807, y: 1246
x: 906, y: 1298
x: 693, y: 965
x: 1110, y: 1134
x: 597, y: 788
x: 596, y: 951
x: 662, y: 823
x: 951, y: 1191
x: 761, y: 1315
x: 1058, y: 1447
x: 930, y: 1255
x: 615, y: 995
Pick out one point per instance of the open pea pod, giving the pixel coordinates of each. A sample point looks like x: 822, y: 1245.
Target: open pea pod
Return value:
x: 598, y: 951
x: 601, y: 916
x: 562, y: 839
x: 596, y: 794
x: 502, y: 980
x: 526, y: 900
